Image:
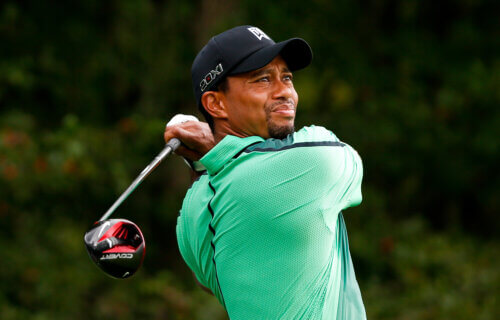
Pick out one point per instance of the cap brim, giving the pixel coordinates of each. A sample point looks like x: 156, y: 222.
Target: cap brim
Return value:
x: 296, y: 53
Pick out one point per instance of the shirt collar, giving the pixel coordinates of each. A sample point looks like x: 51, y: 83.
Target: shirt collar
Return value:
x: 225, y: 150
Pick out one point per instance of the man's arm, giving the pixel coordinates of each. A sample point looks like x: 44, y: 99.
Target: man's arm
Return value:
x: 196, y: 137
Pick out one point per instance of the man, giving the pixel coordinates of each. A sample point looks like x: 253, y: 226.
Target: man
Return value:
x: 262, y: 227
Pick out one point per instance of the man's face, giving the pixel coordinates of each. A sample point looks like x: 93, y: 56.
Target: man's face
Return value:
x: 262, y: 102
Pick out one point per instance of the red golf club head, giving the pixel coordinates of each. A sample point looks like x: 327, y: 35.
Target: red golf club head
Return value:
x: 117, y: 246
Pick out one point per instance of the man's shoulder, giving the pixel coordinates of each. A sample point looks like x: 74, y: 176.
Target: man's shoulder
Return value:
x: 307, y: 136
x: 314, y: 133
x: 309, y: 149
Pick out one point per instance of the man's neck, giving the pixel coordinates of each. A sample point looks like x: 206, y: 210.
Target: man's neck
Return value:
x: 222, y: 129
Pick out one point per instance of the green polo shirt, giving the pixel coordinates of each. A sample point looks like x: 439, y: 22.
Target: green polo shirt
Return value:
x: 263, y: 228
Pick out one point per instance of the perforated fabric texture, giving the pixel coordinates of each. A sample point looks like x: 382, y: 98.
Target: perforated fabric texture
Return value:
x: 264, y: 230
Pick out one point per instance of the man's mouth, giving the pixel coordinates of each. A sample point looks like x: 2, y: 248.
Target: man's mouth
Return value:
x: 286, y: 112
x: 287, y: 109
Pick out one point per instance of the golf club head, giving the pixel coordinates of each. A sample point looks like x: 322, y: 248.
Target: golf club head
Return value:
x: 116, y: 246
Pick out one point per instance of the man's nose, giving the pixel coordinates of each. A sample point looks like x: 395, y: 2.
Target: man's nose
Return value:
x: 282, y: 89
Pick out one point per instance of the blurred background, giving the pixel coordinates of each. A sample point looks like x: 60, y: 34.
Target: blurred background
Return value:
x: 86, y: 88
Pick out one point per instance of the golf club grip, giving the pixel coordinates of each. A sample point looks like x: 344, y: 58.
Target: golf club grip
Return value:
x: 171, y: 145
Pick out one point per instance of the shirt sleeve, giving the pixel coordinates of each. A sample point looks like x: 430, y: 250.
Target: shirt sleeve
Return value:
x: 183, y: 241
x: 344, y: 160
x: 339, y: 165
x: 351, y: 178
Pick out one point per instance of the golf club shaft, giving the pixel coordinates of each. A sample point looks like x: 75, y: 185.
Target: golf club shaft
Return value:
x: 170, y: 146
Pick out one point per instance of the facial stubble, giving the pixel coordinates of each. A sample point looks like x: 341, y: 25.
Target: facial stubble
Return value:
x: 275, y: 131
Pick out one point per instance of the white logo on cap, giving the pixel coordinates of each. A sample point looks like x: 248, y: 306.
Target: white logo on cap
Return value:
x: 258, y: 33
x: 210, y: 77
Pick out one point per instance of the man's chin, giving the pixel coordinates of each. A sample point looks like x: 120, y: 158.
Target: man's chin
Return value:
x: 280, y: 132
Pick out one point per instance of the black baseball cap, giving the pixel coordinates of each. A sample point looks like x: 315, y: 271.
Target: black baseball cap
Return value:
x: 239, y: 50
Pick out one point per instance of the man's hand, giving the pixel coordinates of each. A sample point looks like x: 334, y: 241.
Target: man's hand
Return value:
x: 196, y: 137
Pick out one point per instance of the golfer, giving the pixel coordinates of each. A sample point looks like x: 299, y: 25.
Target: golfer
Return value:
x: 261, y: 226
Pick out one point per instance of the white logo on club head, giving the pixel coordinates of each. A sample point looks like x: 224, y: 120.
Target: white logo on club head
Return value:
x: 258, y: 33
x: 104, y: 225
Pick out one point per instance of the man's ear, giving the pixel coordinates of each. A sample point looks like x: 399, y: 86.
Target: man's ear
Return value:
x: 214, y: 104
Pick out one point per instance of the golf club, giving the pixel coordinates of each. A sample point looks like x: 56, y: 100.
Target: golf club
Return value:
x: 117, y: 246
x: 172, y: 145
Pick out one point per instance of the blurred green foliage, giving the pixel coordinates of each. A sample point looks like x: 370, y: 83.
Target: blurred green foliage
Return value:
x: 87, y: 86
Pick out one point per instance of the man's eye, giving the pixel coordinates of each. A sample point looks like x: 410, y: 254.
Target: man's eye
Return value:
x: 263, y: 79
x: 288, y: 77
